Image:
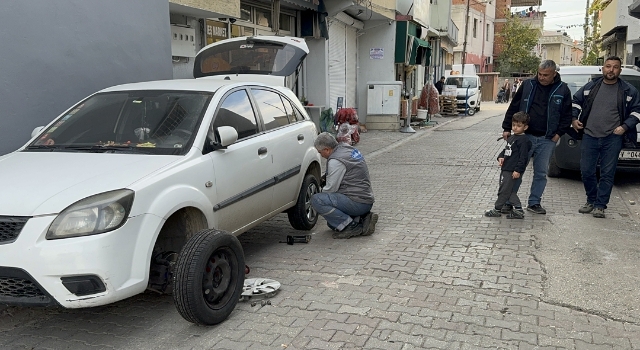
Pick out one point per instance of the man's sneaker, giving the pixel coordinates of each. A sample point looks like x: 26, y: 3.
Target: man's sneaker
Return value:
x: 536, y: 208
x: 586, y: 208
x: 598, y: 212
x: 352, y: 230
x: 506, y: 208
x: 369, y: 224
x: 516, y: 214
x: 493, y: 213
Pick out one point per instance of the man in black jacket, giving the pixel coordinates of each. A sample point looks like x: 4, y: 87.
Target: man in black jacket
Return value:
x: 547, y: 100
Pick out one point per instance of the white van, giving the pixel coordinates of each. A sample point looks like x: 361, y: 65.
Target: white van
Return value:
x: 567, y: 153
x: 467, y: 91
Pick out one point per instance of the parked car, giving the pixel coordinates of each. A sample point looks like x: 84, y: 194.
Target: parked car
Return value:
x: 146, y: 185
x: 567, y: 152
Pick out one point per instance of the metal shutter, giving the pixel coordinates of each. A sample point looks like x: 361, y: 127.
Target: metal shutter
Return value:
x: 352, y: 67
x: 337, y: 63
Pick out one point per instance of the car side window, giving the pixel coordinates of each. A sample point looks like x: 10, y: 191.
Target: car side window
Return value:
x: 237, y: 111
x: 271, y: 108
x: 294, y: 116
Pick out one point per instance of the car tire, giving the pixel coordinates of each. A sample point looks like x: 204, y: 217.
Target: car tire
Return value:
x: 208, y: 277
x: 471, y: 111
x: 302, y: 216
x: 553, y: 170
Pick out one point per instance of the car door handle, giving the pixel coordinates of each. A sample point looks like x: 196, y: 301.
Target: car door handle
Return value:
x: 262, y: 151
x: 300, y: 137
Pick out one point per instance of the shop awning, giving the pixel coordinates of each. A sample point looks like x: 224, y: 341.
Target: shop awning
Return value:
x: 420, y: 53
x: 305, y: 4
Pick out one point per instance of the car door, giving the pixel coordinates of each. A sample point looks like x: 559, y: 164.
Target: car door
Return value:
x: 244, y: 181
x: 287, y: 140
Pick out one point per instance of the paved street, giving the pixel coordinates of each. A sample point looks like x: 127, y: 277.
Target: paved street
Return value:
x: 436, y: 274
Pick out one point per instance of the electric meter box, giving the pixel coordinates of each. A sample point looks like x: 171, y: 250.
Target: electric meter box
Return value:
x: 383, y: 97
x: 183, y: 41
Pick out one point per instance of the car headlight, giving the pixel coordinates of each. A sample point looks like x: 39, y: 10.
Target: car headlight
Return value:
x: 101, y: 213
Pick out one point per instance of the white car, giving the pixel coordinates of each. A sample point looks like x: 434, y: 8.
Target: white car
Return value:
x: 147, y: 185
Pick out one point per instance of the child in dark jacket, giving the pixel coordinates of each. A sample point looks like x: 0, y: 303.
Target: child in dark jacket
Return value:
x: 513, y: 161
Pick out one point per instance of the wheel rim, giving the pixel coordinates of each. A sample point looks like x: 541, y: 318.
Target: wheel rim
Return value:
x: 309, y: 211
x: 218, y: 279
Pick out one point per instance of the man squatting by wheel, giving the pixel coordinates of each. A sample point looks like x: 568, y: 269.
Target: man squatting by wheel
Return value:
x: 347, y: 197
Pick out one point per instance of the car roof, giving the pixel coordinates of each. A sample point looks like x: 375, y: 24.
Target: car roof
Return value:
x: 569, y: 70
x: 211, y: 84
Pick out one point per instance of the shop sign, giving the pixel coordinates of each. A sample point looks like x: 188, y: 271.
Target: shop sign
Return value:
x: 376, y: 53
x: 216, y: 31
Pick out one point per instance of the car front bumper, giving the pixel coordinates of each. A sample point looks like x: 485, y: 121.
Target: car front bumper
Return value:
x: 34, y: 270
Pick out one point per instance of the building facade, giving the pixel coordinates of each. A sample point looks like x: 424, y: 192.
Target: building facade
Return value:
x: 476, y: 20
x: 620, y: 32
x: 556, y: 46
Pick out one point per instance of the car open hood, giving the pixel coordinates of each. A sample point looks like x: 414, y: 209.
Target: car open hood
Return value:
x: 258, y: 56
x: 40, y: 183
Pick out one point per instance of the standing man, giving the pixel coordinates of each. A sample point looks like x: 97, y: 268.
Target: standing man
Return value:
x: 346, y: 198
x: 605, y: 110
x: 440, y: 85
x: 507, y: 90
x: 547, y: 100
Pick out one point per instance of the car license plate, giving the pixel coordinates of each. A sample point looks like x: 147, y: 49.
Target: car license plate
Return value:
x: 629, y: 155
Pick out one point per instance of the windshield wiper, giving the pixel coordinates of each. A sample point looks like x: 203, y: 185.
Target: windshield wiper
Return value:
x: 99, y: 148
x: 43, y: 147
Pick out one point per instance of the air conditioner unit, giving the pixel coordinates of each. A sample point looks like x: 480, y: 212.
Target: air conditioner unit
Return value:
x: 487, y: 60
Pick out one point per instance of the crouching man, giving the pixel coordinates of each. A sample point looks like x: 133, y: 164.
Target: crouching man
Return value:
x: 346, y: 198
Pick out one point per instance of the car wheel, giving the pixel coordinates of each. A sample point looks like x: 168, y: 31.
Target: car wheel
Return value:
x: 209, y: 277
x: 302, y: 216
x: 471, y: 111
x: 553, y: 170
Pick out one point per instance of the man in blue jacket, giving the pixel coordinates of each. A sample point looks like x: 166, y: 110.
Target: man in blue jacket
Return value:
x: 605, y: 112
x: 547, y: 100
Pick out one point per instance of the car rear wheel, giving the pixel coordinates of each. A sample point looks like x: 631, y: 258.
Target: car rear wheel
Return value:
x: 554, y: 170
x: 209, y: 277
x: 471, y: 111
x: 302, y: 216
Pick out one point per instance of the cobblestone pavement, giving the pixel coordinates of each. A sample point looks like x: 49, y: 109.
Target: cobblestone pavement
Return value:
x: 435, y: 275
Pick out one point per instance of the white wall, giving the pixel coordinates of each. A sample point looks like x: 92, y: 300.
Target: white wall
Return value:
x: 316, y: 68
x: 376, y: 34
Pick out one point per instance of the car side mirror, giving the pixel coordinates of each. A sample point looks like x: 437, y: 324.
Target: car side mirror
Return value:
x: 223, y: 136
x: 36, y: 131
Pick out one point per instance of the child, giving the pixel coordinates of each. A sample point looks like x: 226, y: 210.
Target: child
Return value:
x: 513, y: 161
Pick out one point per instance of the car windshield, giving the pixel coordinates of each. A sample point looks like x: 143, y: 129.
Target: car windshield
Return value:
x: 153, y: 122
x: 462, y: 82
x: 576, y: 81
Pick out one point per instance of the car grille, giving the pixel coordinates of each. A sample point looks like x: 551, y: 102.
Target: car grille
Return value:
x: 10, y: 227
x: 18, y: 287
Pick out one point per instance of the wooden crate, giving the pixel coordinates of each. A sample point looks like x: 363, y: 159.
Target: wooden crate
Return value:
x: 448, y: 105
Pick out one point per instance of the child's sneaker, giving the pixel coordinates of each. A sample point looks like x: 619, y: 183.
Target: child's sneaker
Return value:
x: 493, y: 213
x: 516, y: 214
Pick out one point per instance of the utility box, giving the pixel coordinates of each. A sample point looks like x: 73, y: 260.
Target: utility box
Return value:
x: 383, y: 97
x: 183, y: 41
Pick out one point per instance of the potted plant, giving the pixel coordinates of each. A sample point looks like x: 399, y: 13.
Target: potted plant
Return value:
x: 304, y: 101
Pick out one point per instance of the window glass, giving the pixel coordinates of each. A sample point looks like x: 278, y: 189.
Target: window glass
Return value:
x: 263, y: 17
x: 291, y: 112
x: 245, y: 13
x: 632, y: 79
x: 271, y: 108
x: 156, y: 122
x: 236, y: 111
x: 285, y: 22
x: 576, y: 81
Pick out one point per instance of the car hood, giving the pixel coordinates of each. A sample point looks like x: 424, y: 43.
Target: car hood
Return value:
x: 41, y: 183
